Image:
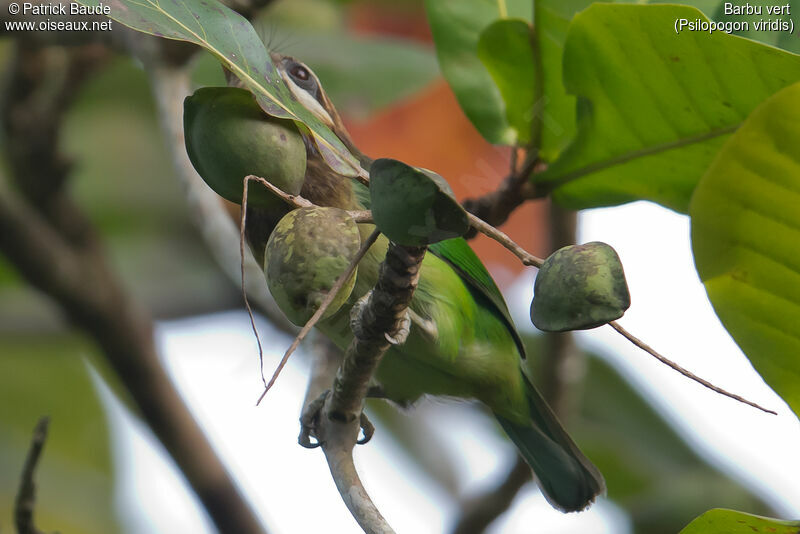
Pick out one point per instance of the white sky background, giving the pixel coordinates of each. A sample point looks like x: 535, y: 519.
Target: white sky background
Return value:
x: 214, y: 363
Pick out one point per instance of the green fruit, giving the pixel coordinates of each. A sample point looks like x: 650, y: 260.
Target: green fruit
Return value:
x: 306, y: 253
x: 413, y: 206
x: 229, y: 137
x: 579, y: 287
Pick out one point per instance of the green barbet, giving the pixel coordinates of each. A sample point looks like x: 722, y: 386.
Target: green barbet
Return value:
x: 462, y: 341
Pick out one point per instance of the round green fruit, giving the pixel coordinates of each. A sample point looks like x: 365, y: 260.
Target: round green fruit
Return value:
x: 306, y: 253
x: 228, y: 137
x: 579, y: 287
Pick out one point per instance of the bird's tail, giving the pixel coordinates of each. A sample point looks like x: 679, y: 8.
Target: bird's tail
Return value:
x: 568, y: 479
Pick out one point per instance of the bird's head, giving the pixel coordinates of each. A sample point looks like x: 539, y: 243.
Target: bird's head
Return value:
x: 308, y: 91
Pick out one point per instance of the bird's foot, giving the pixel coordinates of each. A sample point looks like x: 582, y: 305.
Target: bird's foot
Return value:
x: 367, y: 429
x: 358, y: 307
x: 309, y: 420
x: 402, y: 332
x: 398, y: 337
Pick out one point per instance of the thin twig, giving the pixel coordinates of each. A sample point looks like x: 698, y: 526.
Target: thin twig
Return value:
x: 297, y: 201
x: 485, y: 228
x: 490, y: 231
x: 529, y: 259
x: 337, y: 286
x: 642, y: 345
x: 26, y: 496
x: 242, y: 224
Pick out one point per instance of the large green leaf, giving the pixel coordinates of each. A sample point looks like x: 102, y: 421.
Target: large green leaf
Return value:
x: 505, y: 49
x: 722, y: 521
x: 232, y: 39
x: 746, y: 239
x: 456, y: 27
x: 556, y: 108
x: 655, y: 107
x: 74, y: 478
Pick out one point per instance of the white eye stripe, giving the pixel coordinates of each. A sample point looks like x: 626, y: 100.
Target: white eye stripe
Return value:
x: 308, y: 101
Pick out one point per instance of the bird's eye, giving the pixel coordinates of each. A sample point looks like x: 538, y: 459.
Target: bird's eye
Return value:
x: 301, y: 76
x: 299, y: 72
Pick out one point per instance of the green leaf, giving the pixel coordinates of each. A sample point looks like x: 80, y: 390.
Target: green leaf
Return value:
x: 456, y: 26
x: 234, y: 42
x: 654, y: 107
x: 557, y: 108
x: 505, y: 49
x: 746, y: 240
x: 554, y: 108
x: 721, y: 521
x: 414, y: 206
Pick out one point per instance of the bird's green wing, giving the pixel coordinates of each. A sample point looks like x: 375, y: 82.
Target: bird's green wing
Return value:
x: 460, y: 256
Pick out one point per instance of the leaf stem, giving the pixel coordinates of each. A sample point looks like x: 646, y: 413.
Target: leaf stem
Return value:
x: 645, y: 347
x: 501, y: 7
x: 490, y: 231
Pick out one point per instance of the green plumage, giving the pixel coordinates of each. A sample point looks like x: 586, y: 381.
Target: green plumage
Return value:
x: 474, y: 351
x: 477, y: 354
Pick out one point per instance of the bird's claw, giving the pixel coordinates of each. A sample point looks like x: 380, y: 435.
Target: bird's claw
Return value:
x: 401, y: 335
x: 355, y: 311
x: 367, y: 429
x: 310, y: 419
x: 397, y: 338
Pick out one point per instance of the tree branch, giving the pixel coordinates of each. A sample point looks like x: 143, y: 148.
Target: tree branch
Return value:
x: 26, y: 496
x: 495, y: 207
x: 81, y: 283
x: 377, y: 323
x: 53, y: 246
x: 481, y: 511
